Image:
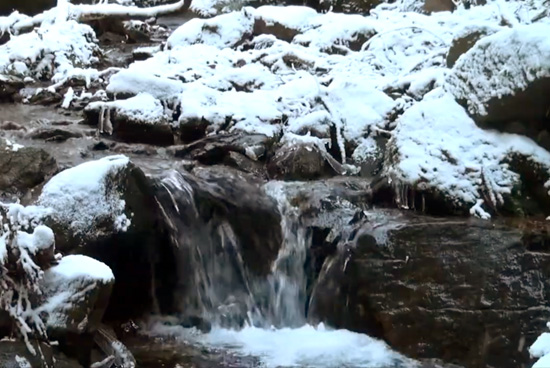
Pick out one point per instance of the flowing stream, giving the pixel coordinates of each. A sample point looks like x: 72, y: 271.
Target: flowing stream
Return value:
x: 256, y: 322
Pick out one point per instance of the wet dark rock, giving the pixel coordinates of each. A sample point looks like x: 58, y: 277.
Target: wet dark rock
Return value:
x: 198, y: 322
x: 9, y: 87
x: 54, y: 135
x: 276, y: 29
x: 9, y: 350
x: 4, y: 38
x: 23, y: 169
x: 432, y: 6
x: 100, y: 146
x: 192, y: 130
x: 351, y: 6
x: 46, y: 97
x: 213, y: 150
x: 465, y: 291
x: 110, y: 38
x: 11, y: 125
x: 302, y: 161
x: 243, y: 163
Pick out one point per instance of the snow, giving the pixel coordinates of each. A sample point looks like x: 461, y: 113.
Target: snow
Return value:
x: 11, y: 146
x: 42, y: 238
x: 306, y: 346
x: 357, y: 105
x: 324, y: 32
x: 22, y: 362
x: 126, y: 81
x: 77, y: 266
x: 226, y: 30
x: 50, y: 51
x: 81, y: 196
x: 293, y: 17
x: 68, y: 285
x: 541, y: 349
x: 436, y: 145
x: 500, y: 65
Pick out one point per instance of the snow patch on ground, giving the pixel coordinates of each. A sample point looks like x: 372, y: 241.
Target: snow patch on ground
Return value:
x: 82, y: 195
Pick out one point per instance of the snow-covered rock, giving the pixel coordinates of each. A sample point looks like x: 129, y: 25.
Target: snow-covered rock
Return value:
x: 437, y: 147
x: 88, y: 197
x: 502, y: 78
x: 226, y: 30
x: 75, y: 294
x: 51, y: 51
x: 140, y: 119
x: 466, y: 38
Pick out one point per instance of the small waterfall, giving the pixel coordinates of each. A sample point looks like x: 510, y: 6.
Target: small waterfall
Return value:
x: 287, y: 282
x: 256, y: 305
x: 215, y: 282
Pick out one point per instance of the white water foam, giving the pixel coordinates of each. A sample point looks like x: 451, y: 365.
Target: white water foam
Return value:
x: 304, y: 347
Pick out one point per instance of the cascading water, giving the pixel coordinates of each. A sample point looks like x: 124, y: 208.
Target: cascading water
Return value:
x: 250, y: 313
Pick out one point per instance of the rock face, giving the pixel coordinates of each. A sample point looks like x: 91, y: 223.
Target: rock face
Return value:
x: 465, y: 291
x: 23, y: 168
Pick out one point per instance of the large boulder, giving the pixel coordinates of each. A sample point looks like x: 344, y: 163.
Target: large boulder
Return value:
x: 466, y: 291
x: 106, y: 209
x: 482, y: 173
x: 503, y: 80
x: 23, y: 168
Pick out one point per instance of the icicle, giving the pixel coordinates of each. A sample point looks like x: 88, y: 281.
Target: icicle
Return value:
x: 100, y: 122
x: 108, y: 128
